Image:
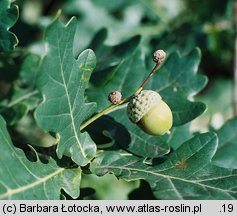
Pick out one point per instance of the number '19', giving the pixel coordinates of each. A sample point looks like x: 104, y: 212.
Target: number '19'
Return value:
x: 227, y: 207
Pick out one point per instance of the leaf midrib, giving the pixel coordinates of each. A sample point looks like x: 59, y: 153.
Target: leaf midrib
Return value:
x: 11, y: 192
x: 68, y: 98
x: 168, y: 177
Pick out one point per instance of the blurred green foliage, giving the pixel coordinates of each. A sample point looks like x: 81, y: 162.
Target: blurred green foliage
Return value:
x: 170, y: 25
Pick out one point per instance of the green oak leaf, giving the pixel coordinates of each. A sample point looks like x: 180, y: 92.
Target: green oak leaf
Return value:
x: 8, y: 17
x: 187, y: 173
x: 62, y: 81
x: 124, y: 77
x: 111, y: 55
x: 178, y: 80
x: 226, y: 155
x: 127, y: 136
x: 23, y: 179
x: 179, y: 135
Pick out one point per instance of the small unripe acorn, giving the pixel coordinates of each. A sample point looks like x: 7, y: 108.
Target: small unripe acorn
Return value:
x: 150, y: 113
x: 115, y: 97
x: 159, y: 56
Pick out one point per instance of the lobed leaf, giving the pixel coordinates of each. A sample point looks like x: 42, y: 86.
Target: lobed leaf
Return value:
x: 187, y: 173
x: 8, y: 17
x: 177, y: 81
x: 62, y: 81
x: 22, y: 179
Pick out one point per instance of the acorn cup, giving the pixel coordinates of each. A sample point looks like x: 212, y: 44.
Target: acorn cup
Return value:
x: 150, y: 113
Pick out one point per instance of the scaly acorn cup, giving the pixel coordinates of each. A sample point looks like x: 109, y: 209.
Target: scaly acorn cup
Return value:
x: 150, y: 113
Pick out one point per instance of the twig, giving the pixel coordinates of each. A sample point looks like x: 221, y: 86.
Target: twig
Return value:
x: 158, y: 57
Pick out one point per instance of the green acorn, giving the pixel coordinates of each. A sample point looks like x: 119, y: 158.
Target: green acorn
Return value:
x: 150, y: 113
